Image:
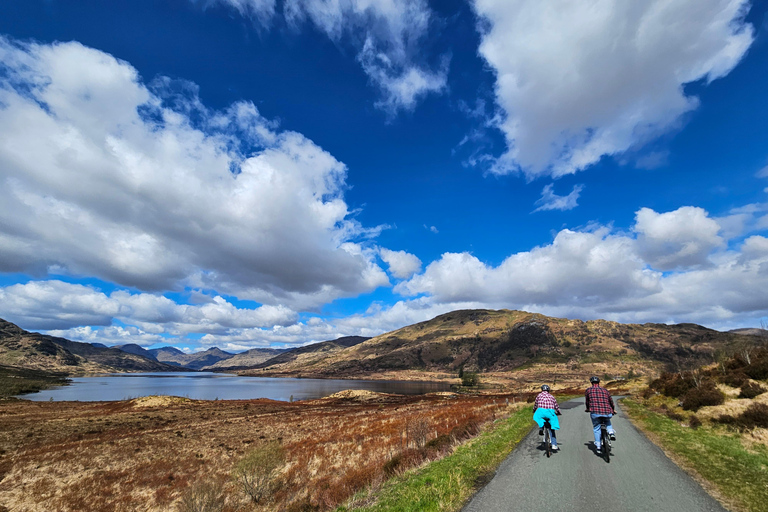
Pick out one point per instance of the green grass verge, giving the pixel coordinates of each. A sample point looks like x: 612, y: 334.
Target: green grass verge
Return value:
x: 446, y: 484
x: 716, y: 454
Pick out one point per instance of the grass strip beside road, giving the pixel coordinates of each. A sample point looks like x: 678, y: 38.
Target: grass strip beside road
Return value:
x: 737, y: 476
x: 446, y: 484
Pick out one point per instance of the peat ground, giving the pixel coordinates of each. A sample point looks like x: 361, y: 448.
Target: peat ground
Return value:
x: 149, y: 453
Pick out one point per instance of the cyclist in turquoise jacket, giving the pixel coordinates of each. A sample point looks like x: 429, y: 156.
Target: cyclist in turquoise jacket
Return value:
x: 545, y: 408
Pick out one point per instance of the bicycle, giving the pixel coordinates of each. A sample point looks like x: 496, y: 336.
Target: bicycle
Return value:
x: 547, y: 438
x: 605, y: 439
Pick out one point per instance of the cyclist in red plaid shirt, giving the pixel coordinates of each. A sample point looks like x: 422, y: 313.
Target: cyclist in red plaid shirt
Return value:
x: 599, y: 405
x: 545, y: 408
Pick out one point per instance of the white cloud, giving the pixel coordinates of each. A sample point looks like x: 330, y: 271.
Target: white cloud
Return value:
x: 762, y: 173
x: 259, y: 10
x: 599, y: 273
x: 113, y: 335
x: 551, y: 201
x: 676, y: 240
x: 576, y: 82
x: 387, y: 35
x: 58, y: 305
x: 143, y: 186
x: 402, y: 265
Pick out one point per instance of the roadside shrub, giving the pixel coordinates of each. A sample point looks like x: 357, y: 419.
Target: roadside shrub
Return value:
x: 751, y: 390
x: 417, y: 431
x: 758, y: 368
x: 672, y: 384
x: 204, y: 496
x: 402, y: 461
x: 707, y: 394
x: 694, y: 422
x: 734, y: 379
x: 440, y: 442
x: 257, y: 471
x: 756, y: 415
x: 675, y: 416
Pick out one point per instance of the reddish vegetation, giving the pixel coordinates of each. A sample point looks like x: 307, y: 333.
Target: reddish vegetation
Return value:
x: 145, y: 454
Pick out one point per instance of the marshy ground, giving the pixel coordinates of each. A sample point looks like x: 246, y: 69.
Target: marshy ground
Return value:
x: 149, y: 453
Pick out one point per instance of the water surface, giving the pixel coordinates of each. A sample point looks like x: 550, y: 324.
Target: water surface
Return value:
x: 221, y: 386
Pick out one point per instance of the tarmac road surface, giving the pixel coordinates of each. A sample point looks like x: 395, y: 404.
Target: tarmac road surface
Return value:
x: 638, y: 478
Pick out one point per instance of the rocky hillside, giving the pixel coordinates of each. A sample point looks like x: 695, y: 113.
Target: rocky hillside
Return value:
x: 195, y: 361
x: 243, y: 360
x: 310, y: 354
x: 502, y: 341
x: 31, y: 350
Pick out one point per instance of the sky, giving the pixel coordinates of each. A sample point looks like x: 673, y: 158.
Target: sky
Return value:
x: 272, y: 173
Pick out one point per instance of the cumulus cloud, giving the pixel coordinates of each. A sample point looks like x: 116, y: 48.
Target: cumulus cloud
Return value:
x: 144, y: 186
x: 56, y: 305
x: 671, y: 266
x: 576, y: 82
x: 402, y: 265
x: 676, y: 240
x: 551, y: 201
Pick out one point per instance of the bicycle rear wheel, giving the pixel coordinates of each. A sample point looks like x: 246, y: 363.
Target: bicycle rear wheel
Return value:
x: 605, y: 441
x: 547, y: 441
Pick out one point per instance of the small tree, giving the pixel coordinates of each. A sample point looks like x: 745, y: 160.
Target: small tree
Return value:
x: 417, y: 431
x: 204, y: 496
x: 470, y: 379
x: 257, y: 471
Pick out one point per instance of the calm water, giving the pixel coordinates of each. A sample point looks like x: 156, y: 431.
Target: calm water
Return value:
x: 222, y: 386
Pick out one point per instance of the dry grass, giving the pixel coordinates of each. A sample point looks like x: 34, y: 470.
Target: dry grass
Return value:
x: 145, y: 454
x: 732, y: 407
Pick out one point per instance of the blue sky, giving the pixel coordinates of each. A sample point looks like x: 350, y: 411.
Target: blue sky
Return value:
x: 247, y: 173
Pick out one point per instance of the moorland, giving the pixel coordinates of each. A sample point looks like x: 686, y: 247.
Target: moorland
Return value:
x: 165, y: 453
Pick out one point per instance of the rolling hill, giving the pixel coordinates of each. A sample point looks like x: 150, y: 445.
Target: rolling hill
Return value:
x: 35, y: 351
x: 194, y: 361
x: 497, y: 343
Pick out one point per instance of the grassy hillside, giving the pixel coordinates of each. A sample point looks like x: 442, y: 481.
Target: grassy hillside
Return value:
x: 35, y: 351
x: 497, y: 342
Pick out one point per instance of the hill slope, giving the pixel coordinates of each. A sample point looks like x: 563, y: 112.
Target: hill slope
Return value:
x: 23, y: 349
x: 195, y: 361
x: 309, y: 354
x: 248, y: 359
x: 502, y: 341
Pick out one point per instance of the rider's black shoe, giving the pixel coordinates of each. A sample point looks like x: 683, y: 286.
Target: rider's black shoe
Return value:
x: 541, y: 431
x: 612, y: 436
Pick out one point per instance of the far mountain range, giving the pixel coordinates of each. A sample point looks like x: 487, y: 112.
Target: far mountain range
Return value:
x: 503, y: 345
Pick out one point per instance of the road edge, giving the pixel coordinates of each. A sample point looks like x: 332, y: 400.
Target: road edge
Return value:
x: 708, y: 486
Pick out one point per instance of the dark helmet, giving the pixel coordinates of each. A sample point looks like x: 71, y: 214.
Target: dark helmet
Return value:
x: 545, y: 388
x: 594, y: 379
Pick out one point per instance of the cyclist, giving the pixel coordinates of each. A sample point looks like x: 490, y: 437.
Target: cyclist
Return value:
x: 545, y: 408
x: 599, y: 405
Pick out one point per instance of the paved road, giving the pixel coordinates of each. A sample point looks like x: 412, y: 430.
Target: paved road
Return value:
x: 639, y: 477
